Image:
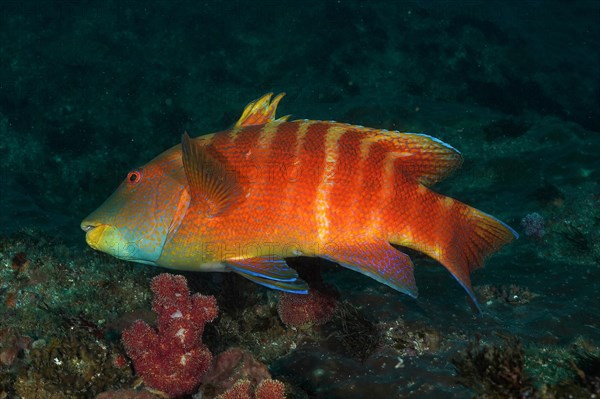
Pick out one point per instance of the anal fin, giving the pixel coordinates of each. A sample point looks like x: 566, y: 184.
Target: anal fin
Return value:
x: 264, y: 267
x: 297, y: 286
x: 269, y: 272
x: 378, y: 260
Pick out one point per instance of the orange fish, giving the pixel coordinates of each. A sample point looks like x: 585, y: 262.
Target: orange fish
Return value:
x: 246, y: 198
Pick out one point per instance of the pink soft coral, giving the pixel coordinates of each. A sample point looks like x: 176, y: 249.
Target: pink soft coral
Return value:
x: 267, y: 389
x: 172, y: 359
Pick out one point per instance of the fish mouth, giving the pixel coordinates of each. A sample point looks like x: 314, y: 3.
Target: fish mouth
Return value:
x: 94, y: 233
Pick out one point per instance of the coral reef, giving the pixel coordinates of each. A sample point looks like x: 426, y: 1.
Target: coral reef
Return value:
x: 172, y: 358
x: 46, y: 286
x: 72, y: 367
x: 494, y: 371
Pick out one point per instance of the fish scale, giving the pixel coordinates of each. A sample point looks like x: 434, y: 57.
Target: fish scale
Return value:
x: 244, y: 199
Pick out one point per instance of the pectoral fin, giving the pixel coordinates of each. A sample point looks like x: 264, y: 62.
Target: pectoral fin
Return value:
x: 213, y: 188
x: 378, y: 260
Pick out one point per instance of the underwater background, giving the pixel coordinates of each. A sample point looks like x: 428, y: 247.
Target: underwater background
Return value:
x: 91, y: 89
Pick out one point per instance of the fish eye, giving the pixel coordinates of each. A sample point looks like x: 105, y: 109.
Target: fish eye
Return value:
x: 133, y: 177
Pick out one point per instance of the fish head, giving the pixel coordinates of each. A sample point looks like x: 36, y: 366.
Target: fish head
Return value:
x: 134, y: 222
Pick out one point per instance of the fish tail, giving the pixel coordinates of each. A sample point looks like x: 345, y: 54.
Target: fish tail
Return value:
x: 458, y: 236
x: 476, y: 236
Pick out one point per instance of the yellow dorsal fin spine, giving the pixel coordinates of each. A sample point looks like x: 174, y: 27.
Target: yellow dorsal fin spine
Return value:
x: 261, y: 111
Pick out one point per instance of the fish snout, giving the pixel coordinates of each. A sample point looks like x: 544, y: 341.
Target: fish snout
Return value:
x: 97, y: 236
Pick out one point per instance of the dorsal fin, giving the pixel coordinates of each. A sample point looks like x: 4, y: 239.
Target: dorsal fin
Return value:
x: 418, y: 156
x: 213, y: 189
x: 261, y: 111
x: 425, y: 158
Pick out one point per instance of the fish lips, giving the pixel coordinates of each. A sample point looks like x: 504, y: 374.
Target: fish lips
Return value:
x: 99, y: 236
x: 94, y: 235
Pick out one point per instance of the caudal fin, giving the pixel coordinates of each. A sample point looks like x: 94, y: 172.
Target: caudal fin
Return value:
x: 456, y: 235
x: 478, y: 236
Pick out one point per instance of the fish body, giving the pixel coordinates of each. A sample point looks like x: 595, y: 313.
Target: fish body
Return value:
x: 267, y: 189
